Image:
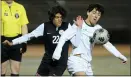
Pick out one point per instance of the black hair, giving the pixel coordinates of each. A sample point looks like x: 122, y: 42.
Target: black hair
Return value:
x: 98, y: 7
x: 56, y: 9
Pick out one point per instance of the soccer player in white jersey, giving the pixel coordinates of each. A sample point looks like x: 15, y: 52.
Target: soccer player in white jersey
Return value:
x: 79, y: 62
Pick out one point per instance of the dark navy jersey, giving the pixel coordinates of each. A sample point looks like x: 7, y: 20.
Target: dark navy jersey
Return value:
x: 52, y: 35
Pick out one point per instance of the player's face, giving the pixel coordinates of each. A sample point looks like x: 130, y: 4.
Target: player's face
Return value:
x: 9, y: 1
x: 93, y: 16
x: 57, y: 21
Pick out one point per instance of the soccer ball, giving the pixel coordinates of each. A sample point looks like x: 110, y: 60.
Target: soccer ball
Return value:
x: 101, y: 36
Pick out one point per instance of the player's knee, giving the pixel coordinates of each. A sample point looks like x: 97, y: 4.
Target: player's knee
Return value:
x: 15, y: 67
x: 3, y: 67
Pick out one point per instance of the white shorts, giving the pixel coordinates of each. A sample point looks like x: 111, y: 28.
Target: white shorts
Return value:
x: 78, y: 64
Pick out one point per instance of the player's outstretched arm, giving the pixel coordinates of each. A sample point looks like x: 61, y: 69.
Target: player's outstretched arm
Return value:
x: 67, y: 35
x: 115, y: 52
x: 35, y: 33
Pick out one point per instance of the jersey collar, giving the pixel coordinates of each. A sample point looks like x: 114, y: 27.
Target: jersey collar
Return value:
x: 89, y: 25
x: 4, y: 3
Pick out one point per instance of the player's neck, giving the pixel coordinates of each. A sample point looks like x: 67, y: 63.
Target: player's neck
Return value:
x: 88, y: 23
x: 9, y: 3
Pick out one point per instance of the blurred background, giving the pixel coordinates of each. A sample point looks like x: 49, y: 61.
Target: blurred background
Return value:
x: 116, y: 20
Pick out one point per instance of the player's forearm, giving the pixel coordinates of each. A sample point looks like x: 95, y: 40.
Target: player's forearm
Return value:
x: 61, y: 42
x: 113, y: 50
x: 21, y: 39
x: 34, y: 34
x: 24, y: 29
x: 58, y: 49
x: 67, y: 35
x: 57, y: 53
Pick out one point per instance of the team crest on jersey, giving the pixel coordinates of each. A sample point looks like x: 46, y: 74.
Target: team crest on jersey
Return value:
x: 61, y: 32
x: 6, y: 14
x: 16, y: 15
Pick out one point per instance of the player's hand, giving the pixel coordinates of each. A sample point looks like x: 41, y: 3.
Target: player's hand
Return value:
x: 56, y: 56
x: 24, y: 48
x: 6, y: 42
x: 78, y: 21
x: 123, y: 59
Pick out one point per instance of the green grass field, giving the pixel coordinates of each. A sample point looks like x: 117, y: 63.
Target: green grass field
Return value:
x: 103, y: 62
x: 100, y: 65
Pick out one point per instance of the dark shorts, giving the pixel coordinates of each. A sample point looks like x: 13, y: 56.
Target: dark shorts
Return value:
x: 10, y: 53
x: 48, y: 67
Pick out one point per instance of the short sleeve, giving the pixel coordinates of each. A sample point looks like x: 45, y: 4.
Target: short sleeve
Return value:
x: 23, y: 19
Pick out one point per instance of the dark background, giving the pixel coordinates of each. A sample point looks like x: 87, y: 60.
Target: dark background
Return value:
x: 116, y: 18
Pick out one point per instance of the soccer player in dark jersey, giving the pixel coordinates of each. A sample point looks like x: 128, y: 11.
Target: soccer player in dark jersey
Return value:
x: 51, y: 31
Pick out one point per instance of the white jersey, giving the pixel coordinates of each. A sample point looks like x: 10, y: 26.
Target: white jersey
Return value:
x: 85, y: 46
x: 80, y: 38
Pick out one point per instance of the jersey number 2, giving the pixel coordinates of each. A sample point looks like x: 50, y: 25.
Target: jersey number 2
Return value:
x: 55, y: 39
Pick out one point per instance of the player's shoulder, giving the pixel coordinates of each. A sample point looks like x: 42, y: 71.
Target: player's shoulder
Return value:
x: 42, y: 24
x: 47, y: 23
x: 65, y: 23
x: 18, y: 5
x: 98, y: 26
x: 4, y: 3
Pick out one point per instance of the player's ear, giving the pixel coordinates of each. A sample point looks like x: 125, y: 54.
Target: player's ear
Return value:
x: 88, y: 13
